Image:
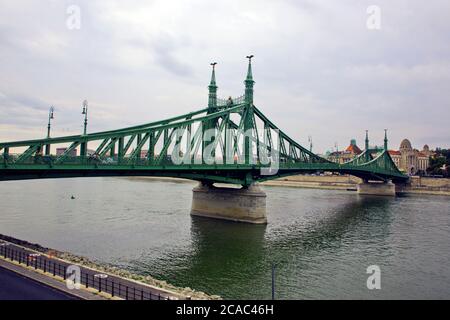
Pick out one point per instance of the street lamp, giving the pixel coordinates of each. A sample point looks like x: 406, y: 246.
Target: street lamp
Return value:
x: 50, y: 117
x: 85, y: 112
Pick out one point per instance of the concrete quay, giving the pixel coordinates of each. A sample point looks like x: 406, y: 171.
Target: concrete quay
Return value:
x: 417, y: 185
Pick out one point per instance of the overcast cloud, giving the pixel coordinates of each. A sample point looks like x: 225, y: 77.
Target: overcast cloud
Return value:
x: 318, y: 69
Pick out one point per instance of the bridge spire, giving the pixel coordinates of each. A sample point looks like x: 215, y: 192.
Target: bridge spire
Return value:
x: 367, y: 140
x: 249, y: 83
x: 367, y: 155
x: 385, y: 140
x: 248, y: 121
x: 212, y: 88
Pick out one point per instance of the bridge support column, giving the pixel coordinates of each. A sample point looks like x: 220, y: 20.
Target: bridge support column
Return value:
x: 377, y: 189
x: 243, y: 205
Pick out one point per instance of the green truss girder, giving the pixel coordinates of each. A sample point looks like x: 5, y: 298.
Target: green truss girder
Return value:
x: 137, y: 152
x: 295, y: 158
x: 69, y: 150
x: 108, y: 147
x: 128, y: 145
x: 28, y: 153
x: 101, y: 146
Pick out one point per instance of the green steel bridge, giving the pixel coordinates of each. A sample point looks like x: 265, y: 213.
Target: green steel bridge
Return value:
x: 242, y: 147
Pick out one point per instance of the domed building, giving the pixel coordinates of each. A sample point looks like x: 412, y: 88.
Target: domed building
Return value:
x: 405, y: 145
x: 410, y: 160
x: 348, y: 154
x: 426, y: 151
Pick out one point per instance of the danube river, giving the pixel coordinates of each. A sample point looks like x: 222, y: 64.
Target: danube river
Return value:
x: 321, y: 241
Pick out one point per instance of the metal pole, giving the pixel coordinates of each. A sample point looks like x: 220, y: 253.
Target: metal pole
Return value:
x: 273, y: 281
x: 48, y: 128
x: 85, y: 112
x: 50, y: 117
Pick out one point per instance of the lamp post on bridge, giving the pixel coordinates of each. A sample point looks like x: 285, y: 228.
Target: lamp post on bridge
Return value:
x: 50, y: 118
x: 85, y: 112
x: 83, y: 147
x: 386, y: 152
x: 367, y: 146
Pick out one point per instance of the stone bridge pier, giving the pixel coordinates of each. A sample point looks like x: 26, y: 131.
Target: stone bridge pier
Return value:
x: 247, y: 204
x: 377, y: 188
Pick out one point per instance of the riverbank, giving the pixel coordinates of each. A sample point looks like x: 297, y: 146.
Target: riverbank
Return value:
x: 164, y: 289
x: 417, y: 186
x: 316, y: 182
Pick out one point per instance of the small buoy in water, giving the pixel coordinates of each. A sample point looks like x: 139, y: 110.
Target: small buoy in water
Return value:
x: 72, y: 197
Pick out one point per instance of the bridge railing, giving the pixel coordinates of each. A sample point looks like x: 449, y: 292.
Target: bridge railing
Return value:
x: 52, y: 160
x: 230, y: 101
x: 88, y: 278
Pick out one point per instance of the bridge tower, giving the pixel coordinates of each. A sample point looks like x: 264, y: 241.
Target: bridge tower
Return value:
x: 386, y: 188
x: 212, y: 89
x: 367, y: 146
x: 247, y: 204
x: 385, y: 140
x: 248, y: 123
x: 249, y: 83
x: 212, y: 107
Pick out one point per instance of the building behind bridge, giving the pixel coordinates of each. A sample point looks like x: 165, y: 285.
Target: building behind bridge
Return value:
x: 410, y: 160
x: 348, y: 154
x: 61, y: 151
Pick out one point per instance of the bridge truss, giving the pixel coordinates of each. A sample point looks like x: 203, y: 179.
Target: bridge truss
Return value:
x: 230, y: 141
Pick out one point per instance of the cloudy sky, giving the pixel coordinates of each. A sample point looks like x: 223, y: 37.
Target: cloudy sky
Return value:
x: 319, y: 69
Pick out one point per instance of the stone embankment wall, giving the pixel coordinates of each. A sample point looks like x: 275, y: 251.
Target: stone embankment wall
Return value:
x: 425, y: 185
x: 317, y: 182
x: 417, y: 185
x: 430, y: 182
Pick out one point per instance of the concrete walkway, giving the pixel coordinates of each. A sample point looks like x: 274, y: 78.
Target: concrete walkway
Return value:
x: 124, y: 288
x: 14, y: 286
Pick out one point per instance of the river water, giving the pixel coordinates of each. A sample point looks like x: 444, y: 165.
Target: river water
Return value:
x: 321, y: 241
